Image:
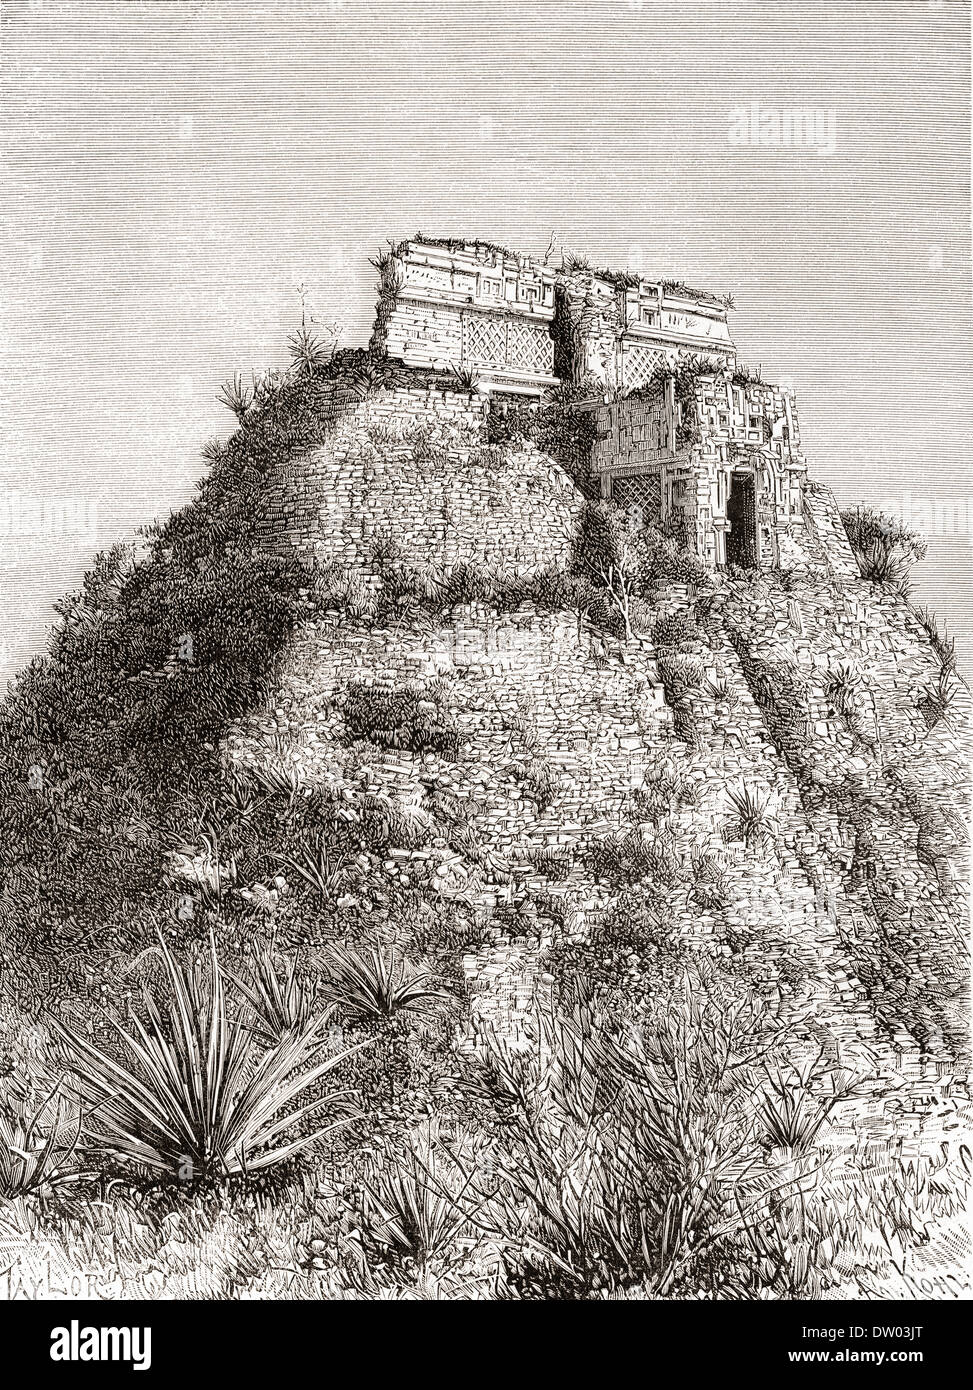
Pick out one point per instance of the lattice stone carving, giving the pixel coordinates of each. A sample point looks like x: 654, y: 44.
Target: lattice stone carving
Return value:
x: 639, y: 364
x: 484, y: 339
x: 492, y: 341
x: 530, y: 347
x: 639, y: 494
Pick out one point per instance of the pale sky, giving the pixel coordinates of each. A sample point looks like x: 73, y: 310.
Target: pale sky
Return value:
x: 173, y: 171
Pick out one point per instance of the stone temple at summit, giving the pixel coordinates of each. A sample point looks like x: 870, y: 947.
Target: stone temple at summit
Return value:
x: 683, y: 433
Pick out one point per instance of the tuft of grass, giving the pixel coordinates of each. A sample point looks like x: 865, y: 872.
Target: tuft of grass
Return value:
x: 792, y: 1111
x: 416, y: 1205
x: 236, y: 396
x: 374, y: 986
x: 193, y: 1094
x: 752, y: 820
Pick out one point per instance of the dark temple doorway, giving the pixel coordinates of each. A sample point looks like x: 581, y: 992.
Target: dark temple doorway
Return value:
x: 741, y: 512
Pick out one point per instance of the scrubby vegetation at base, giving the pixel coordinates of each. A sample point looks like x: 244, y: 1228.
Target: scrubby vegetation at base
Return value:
x: 687, y: 1157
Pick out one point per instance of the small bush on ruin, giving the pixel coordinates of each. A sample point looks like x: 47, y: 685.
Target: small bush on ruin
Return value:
x: 676, y: 629
x: 541, y: 781
x: 400, y: 719
x: 885, y: 549
x: 942, y: 644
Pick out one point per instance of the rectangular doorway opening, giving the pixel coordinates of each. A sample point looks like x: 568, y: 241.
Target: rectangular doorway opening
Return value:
x: 741, y: 512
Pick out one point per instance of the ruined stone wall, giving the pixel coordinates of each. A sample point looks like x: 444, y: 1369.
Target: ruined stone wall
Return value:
x: 587, y: 327
x: 413, y: 465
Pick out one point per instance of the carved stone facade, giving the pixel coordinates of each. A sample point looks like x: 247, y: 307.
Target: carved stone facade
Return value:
x: 683, y: 435
x: 474, y: 308
x: 716, y: 452
x: 520, y: 325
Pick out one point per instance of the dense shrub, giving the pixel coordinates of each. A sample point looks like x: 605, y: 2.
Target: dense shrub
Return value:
x: 884, y: 548
x: 667, y: 556
x: 867, y: 526
x: 597, y: 545
x: 622, y: 1156
x: 676, y: 629
x: 557, y: 428
x: 410, y: 719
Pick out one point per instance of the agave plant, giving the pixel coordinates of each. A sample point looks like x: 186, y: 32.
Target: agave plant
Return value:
x: 843, y: 690
x: 37, y: 1148
x: 277, y: 780
x: 466, y: 378
x: 193, y: 1094
x: 307, y: 352
x: 281, y: 1003
x: 373, y: 986
x: 943, y: 645
x: 721, y: 692
x: 881, y: 563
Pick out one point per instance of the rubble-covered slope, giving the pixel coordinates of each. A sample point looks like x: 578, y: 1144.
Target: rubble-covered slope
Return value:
x: 661, y: 871
x: 378, y: 639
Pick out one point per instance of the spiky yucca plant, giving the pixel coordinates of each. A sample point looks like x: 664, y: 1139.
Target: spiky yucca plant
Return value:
x: 282, y: 1002
x: 374, y: 986
x: 193, y: 1094
x: 236, y: 396
x: 318, y: 867
x: 753, y: 820
x: 307, y: 351
x: 37, y: 1146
